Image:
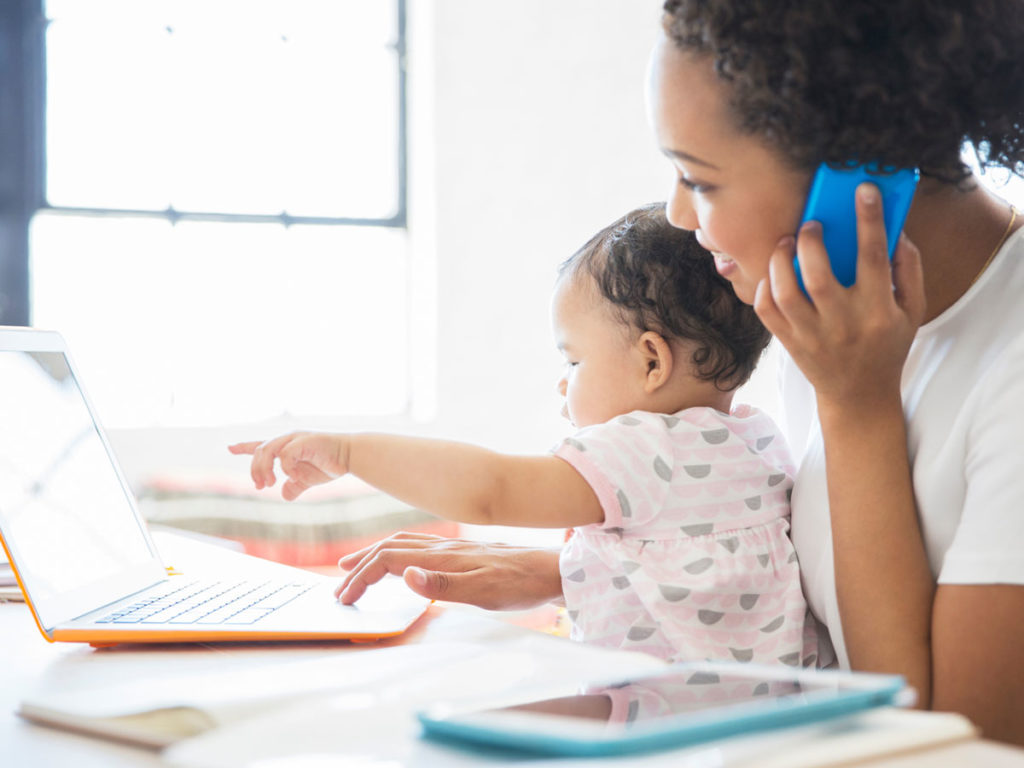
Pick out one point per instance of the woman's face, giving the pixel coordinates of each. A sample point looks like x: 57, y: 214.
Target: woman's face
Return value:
x: 738, y: 195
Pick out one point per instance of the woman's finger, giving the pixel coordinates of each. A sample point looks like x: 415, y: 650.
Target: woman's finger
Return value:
x: 791, y: 303
x: 768, y: 311
x: 873, y: 270
x: 393, y: 561
x: 384, y: 552
x: 812, y: 256
x: 398, y: 540
x: 457, y: 587
x: 822, y: 290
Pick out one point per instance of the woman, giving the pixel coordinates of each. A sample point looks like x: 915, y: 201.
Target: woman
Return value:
x: 900, y: 390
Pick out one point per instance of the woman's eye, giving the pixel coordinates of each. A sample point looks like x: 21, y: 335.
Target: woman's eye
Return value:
x: 695, y: 186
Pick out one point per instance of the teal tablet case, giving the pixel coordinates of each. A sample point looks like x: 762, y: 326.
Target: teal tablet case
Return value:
x: 676, y: 731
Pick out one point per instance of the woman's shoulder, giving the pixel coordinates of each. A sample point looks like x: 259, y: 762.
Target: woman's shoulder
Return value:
x: 981, y: 334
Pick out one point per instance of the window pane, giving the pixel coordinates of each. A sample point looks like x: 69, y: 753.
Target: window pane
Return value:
x: 232, y: 106
x: 1007, y: 185
x: 208, y: 323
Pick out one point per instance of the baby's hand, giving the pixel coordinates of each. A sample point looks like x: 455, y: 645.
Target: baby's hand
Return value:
x: 307, y: 458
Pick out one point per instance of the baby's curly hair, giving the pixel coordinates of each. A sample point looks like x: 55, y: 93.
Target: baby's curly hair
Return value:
x: 658, y: 278
x: 900, y: 82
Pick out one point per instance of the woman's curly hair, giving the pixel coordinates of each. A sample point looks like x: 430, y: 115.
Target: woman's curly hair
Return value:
x: 658, y: 278
x: 899, y: 82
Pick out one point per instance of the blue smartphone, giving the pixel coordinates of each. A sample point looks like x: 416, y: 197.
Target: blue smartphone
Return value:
x: 831, y: 202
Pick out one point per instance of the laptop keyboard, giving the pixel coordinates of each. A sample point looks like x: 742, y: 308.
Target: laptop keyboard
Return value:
x: 220, y: 602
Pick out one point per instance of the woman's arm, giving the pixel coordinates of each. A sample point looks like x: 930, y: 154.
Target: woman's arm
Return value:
x: 976, y: 647
x: 851, y: 345
x: 452, y: 480
x: 884, y: 586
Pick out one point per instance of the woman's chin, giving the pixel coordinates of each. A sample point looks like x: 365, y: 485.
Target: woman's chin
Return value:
x: 744, y: 290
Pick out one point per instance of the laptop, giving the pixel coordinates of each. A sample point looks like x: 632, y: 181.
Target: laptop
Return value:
x: 86, y: 561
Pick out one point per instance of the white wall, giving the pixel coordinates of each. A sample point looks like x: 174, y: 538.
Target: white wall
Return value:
x: 539, y: 139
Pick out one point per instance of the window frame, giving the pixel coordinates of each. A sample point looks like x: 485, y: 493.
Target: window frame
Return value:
x: 23, y: 157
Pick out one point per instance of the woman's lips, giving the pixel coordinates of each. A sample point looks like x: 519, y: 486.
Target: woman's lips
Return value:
x: 724, y: 265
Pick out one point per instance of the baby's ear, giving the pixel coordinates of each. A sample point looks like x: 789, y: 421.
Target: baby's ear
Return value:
x: 657, y: 355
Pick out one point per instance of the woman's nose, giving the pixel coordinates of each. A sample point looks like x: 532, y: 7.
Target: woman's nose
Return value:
x: 563, y: 385
x: 679, y: 209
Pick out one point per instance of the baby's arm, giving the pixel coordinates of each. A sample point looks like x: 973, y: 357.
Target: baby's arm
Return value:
x: 452, y: 480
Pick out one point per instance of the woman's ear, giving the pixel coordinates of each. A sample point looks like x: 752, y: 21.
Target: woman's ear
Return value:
x: 657, y: 356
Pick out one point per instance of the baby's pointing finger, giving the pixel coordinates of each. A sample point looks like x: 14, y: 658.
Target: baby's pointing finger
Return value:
x: 244, y: 448
x: 263, y: 463
x: 293, y: 488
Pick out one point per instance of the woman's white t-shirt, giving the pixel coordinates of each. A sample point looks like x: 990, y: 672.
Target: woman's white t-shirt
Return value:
x: 963, y: 386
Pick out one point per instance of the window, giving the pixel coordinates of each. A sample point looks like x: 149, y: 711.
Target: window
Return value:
x: 222, y: 236
x: 1007, y: 185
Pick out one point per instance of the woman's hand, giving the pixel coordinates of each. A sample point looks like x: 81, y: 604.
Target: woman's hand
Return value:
x: 851, y: 343
x: 307, y: 458
x: 492, y: 576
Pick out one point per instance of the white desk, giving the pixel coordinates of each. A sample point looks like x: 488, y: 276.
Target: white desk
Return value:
x: 338, y: 727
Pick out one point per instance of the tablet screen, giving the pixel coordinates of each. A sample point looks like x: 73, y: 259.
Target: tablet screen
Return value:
x: 684, y: 704
x: 642, y: 701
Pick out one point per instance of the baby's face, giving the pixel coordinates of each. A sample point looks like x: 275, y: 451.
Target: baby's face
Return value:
x: 604, y: 369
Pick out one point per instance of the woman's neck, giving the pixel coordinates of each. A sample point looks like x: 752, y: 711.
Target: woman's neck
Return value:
x: 956, y: 232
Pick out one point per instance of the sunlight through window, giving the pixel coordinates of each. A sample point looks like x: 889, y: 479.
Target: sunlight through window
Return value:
x: 224, y: 234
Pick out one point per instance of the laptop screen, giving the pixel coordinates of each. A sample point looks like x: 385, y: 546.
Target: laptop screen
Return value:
x: 65, y: 514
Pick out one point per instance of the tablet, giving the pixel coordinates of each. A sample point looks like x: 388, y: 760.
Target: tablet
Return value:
x: 685, y: 704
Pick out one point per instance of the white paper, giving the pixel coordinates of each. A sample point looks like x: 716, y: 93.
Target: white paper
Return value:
x: 379, y: 723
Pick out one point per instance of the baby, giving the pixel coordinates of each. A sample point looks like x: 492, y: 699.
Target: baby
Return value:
x: 679, y: 502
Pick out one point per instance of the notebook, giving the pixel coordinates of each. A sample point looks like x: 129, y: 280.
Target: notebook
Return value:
x: 86, y: 561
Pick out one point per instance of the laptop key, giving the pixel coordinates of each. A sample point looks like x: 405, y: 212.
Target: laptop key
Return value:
x: 279, y: 597
x: 249, y: 616
x: 216, y: 603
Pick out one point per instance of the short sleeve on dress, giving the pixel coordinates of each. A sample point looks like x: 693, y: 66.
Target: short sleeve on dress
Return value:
x: 628, y: 461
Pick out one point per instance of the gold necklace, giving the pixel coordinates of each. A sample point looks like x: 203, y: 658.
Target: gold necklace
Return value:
x: 1006, y: 234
